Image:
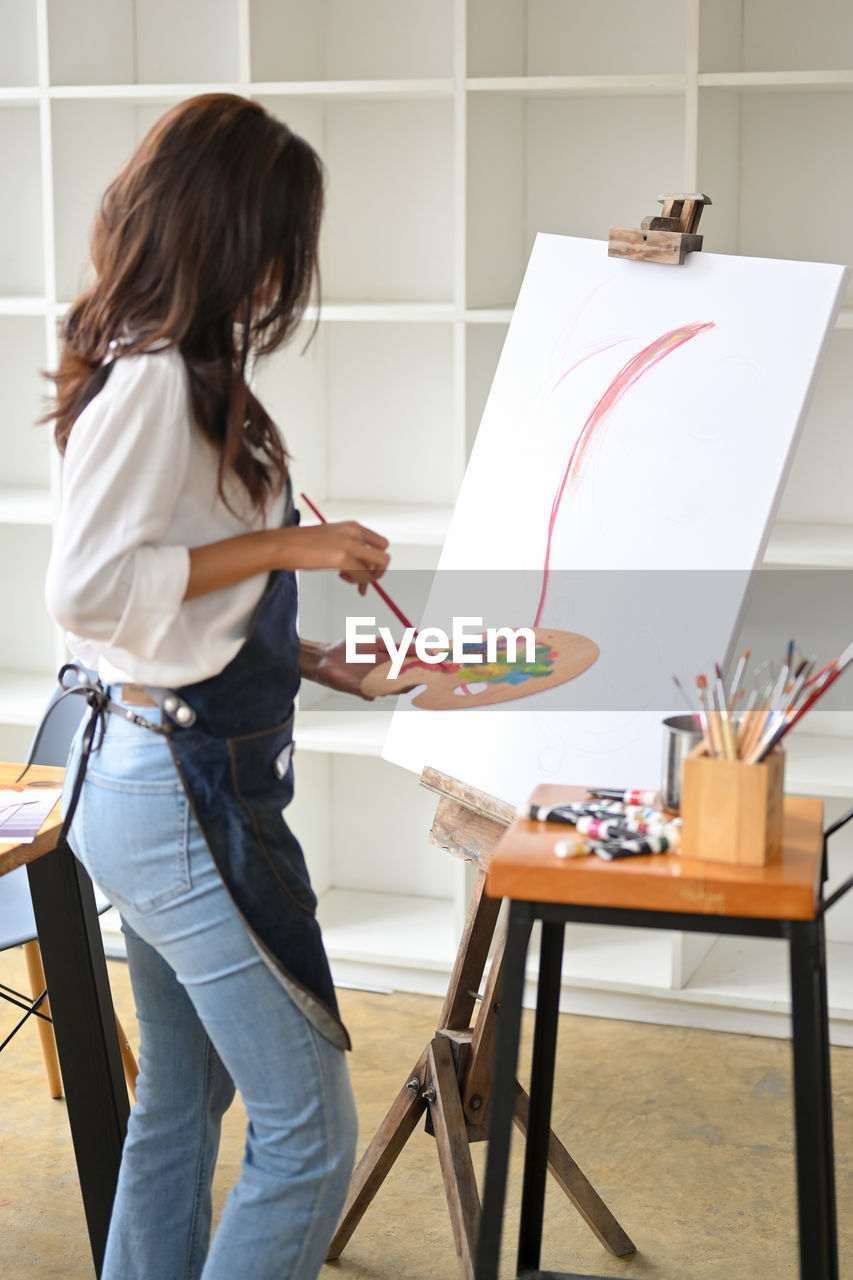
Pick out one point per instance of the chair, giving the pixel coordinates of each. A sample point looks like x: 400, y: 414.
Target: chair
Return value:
x: 18, y: 927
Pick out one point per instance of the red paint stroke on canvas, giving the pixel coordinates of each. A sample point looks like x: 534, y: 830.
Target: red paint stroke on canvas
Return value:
x: 622, y: 383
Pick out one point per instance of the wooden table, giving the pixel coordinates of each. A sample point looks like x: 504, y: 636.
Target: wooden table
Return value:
x: 662, y: 891
x: 81, y: 1006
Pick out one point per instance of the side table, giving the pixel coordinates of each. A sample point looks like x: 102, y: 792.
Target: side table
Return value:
x: 660, y: 891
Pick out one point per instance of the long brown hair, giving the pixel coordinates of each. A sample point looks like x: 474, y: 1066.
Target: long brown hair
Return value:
x: 206, y: 241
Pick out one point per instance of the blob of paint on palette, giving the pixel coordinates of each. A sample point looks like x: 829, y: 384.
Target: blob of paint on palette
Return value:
x: 560, y: 656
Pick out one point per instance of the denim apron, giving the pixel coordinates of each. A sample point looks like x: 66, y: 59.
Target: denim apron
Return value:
x: 234, y: 760
x: 231, y: 737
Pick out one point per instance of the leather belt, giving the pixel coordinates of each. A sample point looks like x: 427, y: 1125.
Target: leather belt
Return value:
x: 135, y: 696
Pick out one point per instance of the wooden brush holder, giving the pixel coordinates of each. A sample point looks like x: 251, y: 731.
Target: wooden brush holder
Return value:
x: 731, y: 811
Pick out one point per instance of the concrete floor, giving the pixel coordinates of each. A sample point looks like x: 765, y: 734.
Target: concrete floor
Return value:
x: 686, y: 1134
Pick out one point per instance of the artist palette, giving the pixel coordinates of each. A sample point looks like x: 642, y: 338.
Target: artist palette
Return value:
x: 560, y: 656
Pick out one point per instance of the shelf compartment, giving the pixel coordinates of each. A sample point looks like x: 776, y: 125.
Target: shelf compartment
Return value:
x: 515, y: 189
x: 19, y: 46
x: 774, y: 36
x: 546, y: 37
x: 819, y: 765
x: 25, y: 446
x: 363, y: 825
x: 756, y: 151
x: 382, y: 928
x: 350, y: 39
x: 21, y: 261
x: 386, y: 384
x: 82, y: 171
x: 28, y: 647
x: 402, y: 227
x: 752, y: 973
x: 388, y: 227
x: 127, y: 41
x: 779, y: 161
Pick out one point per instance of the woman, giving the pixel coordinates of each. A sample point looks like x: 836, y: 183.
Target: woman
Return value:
x: 172, y: 571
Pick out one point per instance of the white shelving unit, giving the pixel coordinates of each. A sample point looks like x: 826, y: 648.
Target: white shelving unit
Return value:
x: 452, y: 132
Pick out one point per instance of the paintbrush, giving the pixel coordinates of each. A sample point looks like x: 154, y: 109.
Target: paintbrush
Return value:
x: 685, y: 695
x: 745, y: 721
x: 398, y: 613
x: 739, y: 670
x: 725, y: 722
x: 714, y: 735
x: 833, y: 671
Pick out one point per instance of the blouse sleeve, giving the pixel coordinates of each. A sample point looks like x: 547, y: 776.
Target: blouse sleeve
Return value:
x: 111, y: 578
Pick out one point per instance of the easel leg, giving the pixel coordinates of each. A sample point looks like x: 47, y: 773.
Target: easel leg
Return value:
x: 575, y: 1184
x: 471, y: 956
x: 454, y: 1153
x: 459, y: 1088
x: 377, y: 1161
x: 503, y: 1085
x: 409, y: 1105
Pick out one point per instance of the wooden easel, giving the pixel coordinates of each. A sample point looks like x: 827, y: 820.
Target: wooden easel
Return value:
x: 451, y: 1080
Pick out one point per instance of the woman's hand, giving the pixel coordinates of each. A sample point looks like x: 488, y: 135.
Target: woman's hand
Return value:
x: 356, y: 552
x: 327, y: 665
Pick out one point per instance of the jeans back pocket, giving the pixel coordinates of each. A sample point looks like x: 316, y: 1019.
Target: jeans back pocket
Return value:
x: 132, y: 828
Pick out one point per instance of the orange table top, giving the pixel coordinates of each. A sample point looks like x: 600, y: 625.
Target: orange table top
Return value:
x: 15, y: 855
x: 524, y: 866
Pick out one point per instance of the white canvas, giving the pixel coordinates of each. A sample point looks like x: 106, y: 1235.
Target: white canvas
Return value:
x: 683, y: 474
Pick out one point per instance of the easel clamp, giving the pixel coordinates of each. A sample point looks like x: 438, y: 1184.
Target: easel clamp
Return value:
x: 666, y: 237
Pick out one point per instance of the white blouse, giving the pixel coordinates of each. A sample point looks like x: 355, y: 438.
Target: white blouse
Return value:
x: 139, y: 489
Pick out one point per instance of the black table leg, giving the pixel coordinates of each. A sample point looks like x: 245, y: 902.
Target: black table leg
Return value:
x: 813, y: 1103
x: 84, y: 1024
x: 502, y: 1098
x: 541, y: 1090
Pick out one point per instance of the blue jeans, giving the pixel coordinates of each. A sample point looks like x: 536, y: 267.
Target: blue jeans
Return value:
x: 211, y: 1017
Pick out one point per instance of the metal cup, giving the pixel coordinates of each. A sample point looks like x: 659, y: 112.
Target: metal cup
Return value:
x: 680, y: 735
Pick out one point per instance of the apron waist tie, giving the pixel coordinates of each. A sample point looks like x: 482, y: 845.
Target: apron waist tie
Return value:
x: 101, y: 705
